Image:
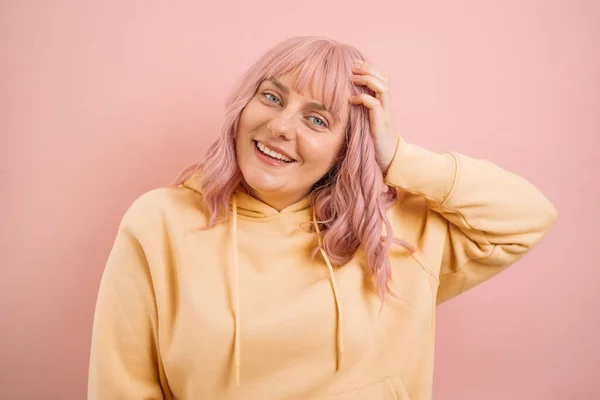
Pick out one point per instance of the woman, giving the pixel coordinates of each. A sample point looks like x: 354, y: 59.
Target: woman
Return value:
x: 304, y: 257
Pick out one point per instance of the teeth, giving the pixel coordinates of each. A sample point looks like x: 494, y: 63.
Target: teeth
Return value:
x: 264, y: 149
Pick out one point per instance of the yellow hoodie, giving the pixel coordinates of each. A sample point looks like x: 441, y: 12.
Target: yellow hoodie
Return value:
x: 181, y: 312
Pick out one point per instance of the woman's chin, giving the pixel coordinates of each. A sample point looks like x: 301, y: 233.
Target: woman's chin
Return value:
x: 263, y: 184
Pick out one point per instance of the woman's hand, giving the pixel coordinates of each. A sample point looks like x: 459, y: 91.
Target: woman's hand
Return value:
x: 380, y: 113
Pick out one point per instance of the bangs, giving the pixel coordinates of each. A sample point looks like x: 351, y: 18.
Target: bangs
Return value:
x: 321, y: 70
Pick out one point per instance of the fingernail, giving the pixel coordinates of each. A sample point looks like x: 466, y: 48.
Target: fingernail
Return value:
x: 358, y: 63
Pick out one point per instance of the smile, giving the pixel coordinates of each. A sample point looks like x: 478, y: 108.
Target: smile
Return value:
x: 272, y: 153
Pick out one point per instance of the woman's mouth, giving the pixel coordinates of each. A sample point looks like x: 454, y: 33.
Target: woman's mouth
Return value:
x: 268, y: 154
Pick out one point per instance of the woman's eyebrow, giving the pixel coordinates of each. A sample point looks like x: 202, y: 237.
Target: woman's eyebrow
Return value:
x: 318, y: 106
x: 279, y: 85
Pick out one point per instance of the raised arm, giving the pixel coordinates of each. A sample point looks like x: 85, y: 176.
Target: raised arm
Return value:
x: 494, y: 216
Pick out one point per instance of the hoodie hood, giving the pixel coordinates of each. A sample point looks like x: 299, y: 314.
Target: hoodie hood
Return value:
x: 249, y: 206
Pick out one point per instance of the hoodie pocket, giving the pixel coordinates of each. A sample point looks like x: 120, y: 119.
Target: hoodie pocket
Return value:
x: 389, y: 389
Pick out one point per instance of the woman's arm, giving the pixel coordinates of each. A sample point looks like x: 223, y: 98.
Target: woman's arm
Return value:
x: 494, y: 216
x: 124, y: 362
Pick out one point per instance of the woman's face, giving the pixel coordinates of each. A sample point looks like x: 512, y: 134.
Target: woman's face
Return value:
x: 286, y: 142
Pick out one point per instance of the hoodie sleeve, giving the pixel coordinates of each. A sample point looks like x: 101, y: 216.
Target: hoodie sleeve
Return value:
x: 123, y: 360
x: 494, y: 217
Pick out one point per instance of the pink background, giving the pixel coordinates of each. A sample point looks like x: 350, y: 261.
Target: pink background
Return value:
x: 101, y: 102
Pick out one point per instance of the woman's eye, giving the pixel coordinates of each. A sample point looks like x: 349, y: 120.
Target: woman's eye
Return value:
x: 272, y: 98
x: 318, y: 121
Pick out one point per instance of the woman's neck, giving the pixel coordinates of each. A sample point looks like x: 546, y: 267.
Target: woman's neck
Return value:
x: 276, y: 200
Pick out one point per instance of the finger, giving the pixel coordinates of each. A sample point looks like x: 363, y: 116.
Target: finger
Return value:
x: 374, y: 105
x: 381, y: 89
x: 373, y: 83
x: 365, y: 67
x: 367, y: 100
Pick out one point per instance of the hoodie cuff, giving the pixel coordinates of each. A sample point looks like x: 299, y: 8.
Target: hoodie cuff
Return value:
x: 422, y: 172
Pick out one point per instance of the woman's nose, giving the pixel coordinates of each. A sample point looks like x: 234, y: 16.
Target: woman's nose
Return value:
x: 283, y: 125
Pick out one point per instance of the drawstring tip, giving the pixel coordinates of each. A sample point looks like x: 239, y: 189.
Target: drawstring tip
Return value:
x: 340, y: 359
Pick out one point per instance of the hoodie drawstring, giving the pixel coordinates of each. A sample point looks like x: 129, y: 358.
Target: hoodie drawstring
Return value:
x: 236, y: 294
x: 236, y: 300
x: 338, y: 306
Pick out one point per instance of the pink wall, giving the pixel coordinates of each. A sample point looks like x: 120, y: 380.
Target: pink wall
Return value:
x: 100, y: 102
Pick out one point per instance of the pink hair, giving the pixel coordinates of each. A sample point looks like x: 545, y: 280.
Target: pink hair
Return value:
x: 350, y: 201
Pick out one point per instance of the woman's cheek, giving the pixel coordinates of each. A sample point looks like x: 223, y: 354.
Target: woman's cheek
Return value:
x: 320, y: 150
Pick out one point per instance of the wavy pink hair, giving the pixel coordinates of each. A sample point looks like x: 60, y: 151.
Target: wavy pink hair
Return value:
x: 350, y: 201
